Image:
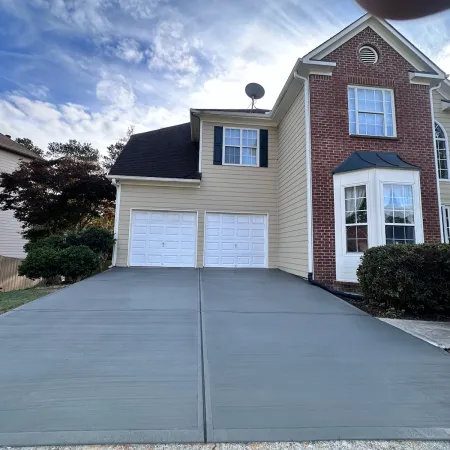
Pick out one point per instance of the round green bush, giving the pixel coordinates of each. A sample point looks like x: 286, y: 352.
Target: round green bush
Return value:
x: 78, y: 262
x: 98, y: 239
x: 414, y: 278
x: 41, y: 262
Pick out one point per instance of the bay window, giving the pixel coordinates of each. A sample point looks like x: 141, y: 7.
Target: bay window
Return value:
x: 240, y: 147
x: 371, y: 111
x: 374, y: 207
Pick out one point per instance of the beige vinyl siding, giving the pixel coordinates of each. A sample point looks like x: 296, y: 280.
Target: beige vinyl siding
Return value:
x: 232, y: 189
x: 11, y: 241
x: 292, y: 191
x: 443, y: 117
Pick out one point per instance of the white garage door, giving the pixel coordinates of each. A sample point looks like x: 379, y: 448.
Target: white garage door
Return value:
x: 163, y: 239
x: 236, y: 240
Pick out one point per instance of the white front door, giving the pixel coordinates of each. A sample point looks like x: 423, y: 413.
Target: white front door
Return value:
x: 163, y: 239
x: 235, y: 240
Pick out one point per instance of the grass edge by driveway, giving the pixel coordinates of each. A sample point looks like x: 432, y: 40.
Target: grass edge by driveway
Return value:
x: 13, y: 299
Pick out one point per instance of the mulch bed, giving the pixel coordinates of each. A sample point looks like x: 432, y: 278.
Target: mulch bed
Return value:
x: 379, y: 311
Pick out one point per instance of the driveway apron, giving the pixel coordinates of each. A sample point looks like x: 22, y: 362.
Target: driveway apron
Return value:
x: 113, y: 359
x: 216, y: 355
x: 286, y: 361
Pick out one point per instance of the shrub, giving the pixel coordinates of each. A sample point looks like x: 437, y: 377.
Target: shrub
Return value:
x: 43, y: 262
x: 415, y: 278
x: 99, y: 240
x: 57, y: 242
x: 77, y: 262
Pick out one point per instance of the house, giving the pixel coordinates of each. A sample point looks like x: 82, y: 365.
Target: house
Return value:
x: 353, y: 154
x: 11, y: 155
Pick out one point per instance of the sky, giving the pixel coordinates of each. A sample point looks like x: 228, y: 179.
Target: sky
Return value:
x: 88, y: 69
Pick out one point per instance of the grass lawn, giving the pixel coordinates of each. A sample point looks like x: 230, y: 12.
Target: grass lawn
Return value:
x: 13, y: 299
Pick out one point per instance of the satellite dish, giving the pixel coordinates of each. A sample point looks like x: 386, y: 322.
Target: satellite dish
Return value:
x: 255, y: 91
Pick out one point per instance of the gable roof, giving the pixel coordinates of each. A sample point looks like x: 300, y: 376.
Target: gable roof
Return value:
x: 393, y: 37
x: 9, y: 145
x: 165, y: 153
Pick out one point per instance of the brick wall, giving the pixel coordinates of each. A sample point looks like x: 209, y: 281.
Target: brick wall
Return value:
x: 331, y: 143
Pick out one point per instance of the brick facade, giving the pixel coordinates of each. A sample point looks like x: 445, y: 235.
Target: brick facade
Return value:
x: 331, y: 143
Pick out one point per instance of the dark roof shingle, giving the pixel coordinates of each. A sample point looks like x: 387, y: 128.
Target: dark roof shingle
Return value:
x: 165, y: 153
x: 8, y: 144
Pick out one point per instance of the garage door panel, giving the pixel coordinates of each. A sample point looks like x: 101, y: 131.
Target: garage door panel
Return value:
x: 163, y: 239
x: 235, y: 240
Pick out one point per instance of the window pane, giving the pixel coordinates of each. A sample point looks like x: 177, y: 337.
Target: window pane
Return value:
x: 361, y: 216
x: 249, y: 156
x: 357, y: 239
x: 232, y: 155
x: 249, y: 138
x: 232, y: 137
x: 350, y: 217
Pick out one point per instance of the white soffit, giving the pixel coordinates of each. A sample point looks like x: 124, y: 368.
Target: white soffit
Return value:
x: 388, y: 33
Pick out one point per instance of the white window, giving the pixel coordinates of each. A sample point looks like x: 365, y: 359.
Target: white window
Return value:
x: 241, y: 147
x: 446, y: 223
x: 371, y: 111
x: 399, y: 214
x: 441, y: 151
x: 372, y: 208
x: 356, y: 219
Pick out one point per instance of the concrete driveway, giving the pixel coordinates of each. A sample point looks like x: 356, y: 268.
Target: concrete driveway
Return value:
x: 185, y: 355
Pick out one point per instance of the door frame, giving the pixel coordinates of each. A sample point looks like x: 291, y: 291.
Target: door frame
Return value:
x: 130, y: 230
x: 241, y: 213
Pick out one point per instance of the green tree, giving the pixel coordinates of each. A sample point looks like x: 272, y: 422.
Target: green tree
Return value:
x: 114, y: 150
x: 55, y: 196
x: 28, y: 143
x: 72, y: 149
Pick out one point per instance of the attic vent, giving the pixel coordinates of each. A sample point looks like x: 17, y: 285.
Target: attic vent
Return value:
x: 368, y: 55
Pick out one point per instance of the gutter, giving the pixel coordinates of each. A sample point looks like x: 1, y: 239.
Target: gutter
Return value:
x: 438, y: 186
x: 309, y: 204
x: 334, y: 291
x: 116, y: 220
x: 166, y: 180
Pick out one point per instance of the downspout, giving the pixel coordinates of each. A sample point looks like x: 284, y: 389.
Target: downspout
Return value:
x: 441, y: 226
x: 116, y: 219
x: 308, y: 174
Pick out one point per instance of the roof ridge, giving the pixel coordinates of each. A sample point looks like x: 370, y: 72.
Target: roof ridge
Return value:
x: 160, y: 129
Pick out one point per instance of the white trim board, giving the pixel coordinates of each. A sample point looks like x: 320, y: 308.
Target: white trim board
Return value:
x: 386, y: 31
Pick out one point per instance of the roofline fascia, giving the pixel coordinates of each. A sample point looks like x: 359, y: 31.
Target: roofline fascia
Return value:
x: 389, y: 27
x: 158, y: 179
x: 426, y: 78
x: 199, y: 112
x: 18, y: 152
x: 302, y: 69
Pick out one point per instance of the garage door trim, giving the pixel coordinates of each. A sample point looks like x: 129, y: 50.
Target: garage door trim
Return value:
x: 241, y: 213
x: 130, y: 229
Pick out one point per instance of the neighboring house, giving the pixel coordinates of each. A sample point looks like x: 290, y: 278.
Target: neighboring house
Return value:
x: 345, y: 160
x: 11, y: 154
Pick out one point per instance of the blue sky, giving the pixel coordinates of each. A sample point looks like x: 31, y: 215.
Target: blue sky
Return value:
x: 87, y: 69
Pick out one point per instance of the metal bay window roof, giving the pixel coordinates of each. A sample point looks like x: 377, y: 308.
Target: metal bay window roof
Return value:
x: 373, y: 160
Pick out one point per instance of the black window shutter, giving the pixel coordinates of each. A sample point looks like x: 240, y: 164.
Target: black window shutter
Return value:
x: 218, y: 141
x: 263, y: 148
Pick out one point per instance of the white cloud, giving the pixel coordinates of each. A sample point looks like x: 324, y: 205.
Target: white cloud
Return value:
x: 141, y: 9
x: 69, y: 121
x: 129, y: 50
x: 116, y: 93
x: 172, y: 50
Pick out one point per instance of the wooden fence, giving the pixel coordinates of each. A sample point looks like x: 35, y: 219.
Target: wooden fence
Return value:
x: 9, y: 276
